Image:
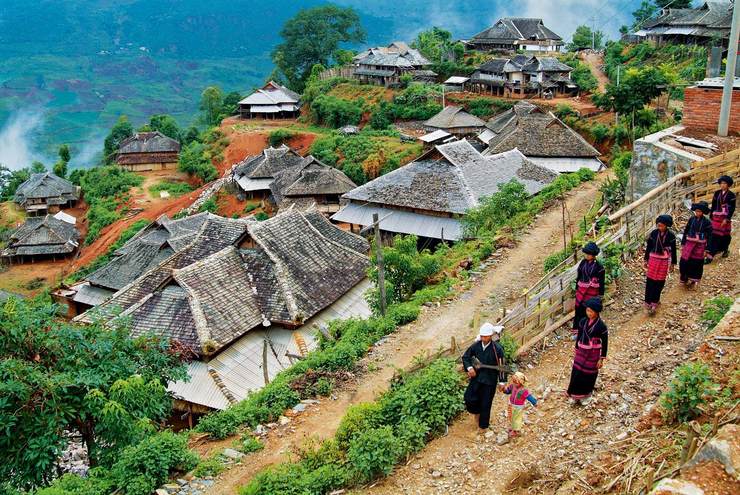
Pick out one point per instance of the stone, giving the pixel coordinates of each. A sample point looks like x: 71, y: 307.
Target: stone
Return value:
x: 622, y: 435
x: 436, y: 474
x: 161, y: 491
x: 310, y: 401
x: 171, y: 487
x: 670, y: 486
x: 282, y: 421
x: 208, y: 483
x: 299, y: 408
x: 488, y: 434
x: 502, y: 439
x: 232, y: 454
x: 723, y: 448
x: 181, y: 481
x: 260, y: 430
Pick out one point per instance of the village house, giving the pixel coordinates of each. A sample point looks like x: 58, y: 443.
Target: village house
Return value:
x: 709, y: 23
x: 517, y: 33
x: 523, y: 75
x: 430, y: 196
x: 143, y: 252
x: 541, y: 137
x: 272, y: 101
x: 243, y: 298
x: 455, y: 121
x: 254, y: 174
x: 310, y: 184
x: 147, y: 151
x: 41, y: 238
x: 46, y: 193
x: 385, y: 65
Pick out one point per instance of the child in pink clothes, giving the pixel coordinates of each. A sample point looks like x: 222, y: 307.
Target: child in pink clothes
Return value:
x: 518, y: 396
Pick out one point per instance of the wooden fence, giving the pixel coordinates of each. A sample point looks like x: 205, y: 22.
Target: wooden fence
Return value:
x: 346, y: 72
x: 548, y: 304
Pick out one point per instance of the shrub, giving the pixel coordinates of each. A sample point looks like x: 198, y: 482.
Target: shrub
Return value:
x: 495, y: 210
x: 335, y: 112
x: 250, y: 444
x: 279, y: 136
x: 213, y: 466
x: 358, y: 418
x: 690, y: 389
x: 374, y: 452
x: 555, y: 259
x: 715, y: 309
x: 209, y: 205
x: 195, y: 160
x: 563, y: 110
x: 600, y: 132
x: 261, y: 216
x: 413, y: 435
x: 173, y: 188
x: 510, y: 346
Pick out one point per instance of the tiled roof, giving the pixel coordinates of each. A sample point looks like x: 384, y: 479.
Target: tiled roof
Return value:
x: 268, y: 163
x: 397, y: 55
x: 43, y: 235
x: 210, y: 293
x: 310, y: 178
x: 148, y: 142
x: 452, y: 178
x: 708, y: 14
x: 535, y: 133
x: 516, y: 28
x: 47, y: 186
x: 272, y: 93
x: 454, y: 117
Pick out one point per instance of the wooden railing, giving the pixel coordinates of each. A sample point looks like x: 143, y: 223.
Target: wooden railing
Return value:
x: 548, y: 304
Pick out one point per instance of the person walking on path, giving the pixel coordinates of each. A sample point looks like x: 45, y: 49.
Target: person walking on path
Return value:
x: 483, y: 381
x: 696, y: 236
x: 660, y: 257
x: 590, y: 281
x: 723, y: 207
x: 518, y: 397
x: 592, y: 343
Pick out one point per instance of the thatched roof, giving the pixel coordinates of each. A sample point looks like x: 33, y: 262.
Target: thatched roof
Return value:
x: 453, y: 117
x: 43, y: 236
x: 710, y: 18
x: 451, y: 178
x: 268, y: 163
x: 397, y: 55
x: 510, y: 29
x: 310, y: 178
x: 48, y: 186
x: 536, y: 134
x: 148, y: 142
x: 211, y: 292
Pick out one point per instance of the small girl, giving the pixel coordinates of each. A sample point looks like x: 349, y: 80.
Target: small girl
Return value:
x: 517, y: 397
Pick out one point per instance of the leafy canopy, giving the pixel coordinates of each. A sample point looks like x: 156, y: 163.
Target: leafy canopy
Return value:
x: 584, y: 38
x: 636, y: 89
x: 10, y: 180
x: 57, y: 376
x: 313, y: 36
x: 121, y: 130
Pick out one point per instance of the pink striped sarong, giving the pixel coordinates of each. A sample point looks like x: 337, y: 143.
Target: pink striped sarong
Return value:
x: 658, y: 266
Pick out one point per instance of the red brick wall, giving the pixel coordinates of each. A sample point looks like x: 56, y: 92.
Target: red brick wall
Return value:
x: 701, y: 109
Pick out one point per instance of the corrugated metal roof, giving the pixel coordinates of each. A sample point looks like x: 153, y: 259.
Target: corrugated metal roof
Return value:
x: 91, y: 295
x: 248, y: 184
x: 65, y: 217
x: 401, y: 222
x: 433, y: 136
x: 240, y: 366
x: 457, y: 80
x: 565, y: 164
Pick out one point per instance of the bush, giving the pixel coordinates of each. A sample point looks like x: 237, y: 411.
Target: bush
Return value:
x: 690, y: 389
x: 195, y: 160
x: 143, y: 467
x: 279, y: 136
x: 261, y: 216
x: 413, y: 435
x: 715, y: 309
x: 600, y: 132
x: 510, y: 346
x: 173, y: 188
x: 374, y: 452
x: 100, y: 214
x: 213, y: 466
x: 563, y: 110
x: 209, y: 205
x: 335, y: 112
x: 358, y: 418
x: 497, y: 209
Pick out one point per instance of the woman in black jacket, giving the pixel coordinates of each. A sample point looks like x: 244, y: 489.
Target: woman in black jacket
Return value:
x: 660, y: 257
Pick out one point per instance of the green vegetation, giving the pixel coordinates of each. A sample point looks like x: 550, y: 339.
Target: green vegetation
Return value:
x: 372, y: 438
x: 10, y: 180
x: 312, y: 37
x: 250, y: 444
x: 94, y: 379
x: 335, y: 112
x: 212, y: 466
x: 689, y: 391
x: 60, y: 167
x: 437, y: 45
x: 106, y: 190
x: 615, y: 190
x: 581, y: 75
x: 584, y: 38
x: 197, y: 157
x: 482, y: 106
x: 209, y: 205
x: 120, y: 131
x: 173, y: 188
x: 279, y: 136
x: 715, y: 309
x: 103, y: 259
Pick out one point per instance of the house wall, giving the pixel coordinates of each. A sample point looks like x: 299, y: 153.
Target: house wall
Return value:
x: 654, y: 162
x: 702, y: 107
x: 146, y: 167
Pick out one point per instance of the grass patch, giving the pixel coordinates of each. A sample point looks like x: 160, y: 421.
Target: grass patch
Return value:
x: 175, y: 189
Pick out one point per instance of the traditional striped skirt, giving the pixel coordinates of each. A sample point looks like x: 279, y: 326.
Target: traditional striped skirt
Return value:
x: 717, y: 228
x: 658, y: 266
x: 586, y: 290
x: 587, y: 356
x: 693, y: 249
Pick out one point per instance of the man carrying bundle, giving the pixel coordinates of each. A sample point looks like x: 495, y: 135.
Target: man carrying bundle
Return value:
x: 483, y: 380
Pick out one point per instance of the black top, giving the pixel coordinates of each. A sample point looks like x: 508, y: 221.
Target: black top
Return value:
x: 588, y: 330
x: 697, y: 227
x: 590, y: 269
x: 720, y: 199
x: 657, y: 243
x: 492, y: 355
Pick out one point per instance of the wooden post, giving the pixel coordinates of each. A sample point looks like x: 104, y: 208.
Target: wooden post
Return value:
x: 265, y: 372
x: 565, y: 241
x: 381, y: 267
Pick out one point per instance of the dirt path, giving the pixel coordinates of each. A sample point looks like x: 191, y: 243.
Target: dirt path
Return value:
x: 561, y: 445
x: 508, y: 271
x: 595, y: 62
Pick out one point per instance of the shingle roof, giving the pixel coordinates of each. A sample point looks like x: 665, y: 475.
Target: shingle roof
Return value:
x: 210, y: 293
x: 271, y: 93
x: 47, y: 186
x: 517, y: 28
x: 43, y: 235
x: 310, y: 178
x: 452, y: 178
x: 709, y: 14
x: 545, y: 64
x: 454, y: 117
x: 148, y: 142
x: 397, y: 54
x: 536, y: 133
x: 268, y: 163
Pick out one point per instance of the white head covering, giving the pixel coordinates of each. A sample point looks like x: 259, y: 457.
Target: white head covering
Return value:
x: 487, y: 329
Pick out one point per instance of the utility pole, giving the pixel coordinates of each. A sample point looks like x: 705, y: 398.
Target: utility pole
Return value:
x: 381, y: 266
x: 616, y: 114
x: 724, y: 113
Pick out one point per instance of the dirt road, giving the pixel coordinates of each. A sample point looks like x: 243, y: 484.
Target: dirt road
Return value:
x: 595, y: 62
x: 508, y: 272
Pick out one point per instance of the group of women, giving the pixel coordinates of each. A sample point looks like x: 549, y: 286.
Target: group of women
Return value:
x: 706, y: 235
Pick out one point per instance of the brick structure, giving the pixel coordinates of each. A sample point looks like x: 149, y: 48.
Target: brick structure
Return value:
x: 702, y: 106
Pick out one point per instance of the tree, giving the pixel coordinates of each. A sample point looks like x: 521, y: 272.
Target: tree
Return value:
x: 166, y: 124
x: 192, y: 134
x: 674, y: 4
x: 584, y: 38
x: 312, y: 37
x: 584, y: 78
x: 645, y: 11
x: 38, y: 168
x: 435, y: 44
x: 10, y: 180
x: 60, y: 167
x: 344, y: 57
x: 636, y: 89
x: 193, y: 161
x: 121, y: 130
x: 406, y: 268
x: 231, y: 103
x: 56, y: 377
x: 211, y: 103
